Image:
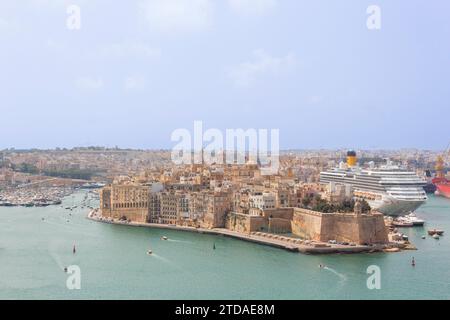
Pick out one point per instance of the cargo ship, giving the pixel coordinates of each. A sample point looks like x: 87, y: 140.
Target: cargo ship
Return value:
x: 441, y: 182
x: 442, y: 187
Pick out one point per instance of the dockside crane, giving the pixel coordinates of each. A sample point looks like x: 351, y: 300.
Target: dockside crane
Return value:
x: 440, y: 163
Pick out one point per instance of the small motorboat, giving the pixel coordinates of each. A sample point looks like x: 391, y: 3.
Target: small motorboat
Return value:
x: 417, y: 222
x: 321, y: 266
x: 74, y: 250
x: 432, y: 232
x: 408, y: 221
x: 402, y: 224
x: 436, y: 236
x: 164, y: 238
x: 149, y: 252
x: 424, y: 237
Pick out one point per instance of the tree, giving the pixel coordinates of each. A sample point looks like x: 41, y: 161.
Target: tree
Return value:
x: 365, y: 206
x: 27, y: 168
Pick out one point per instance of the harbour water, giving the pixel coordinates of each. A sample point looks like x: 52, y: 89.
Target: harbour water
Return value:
x: 36, y: 244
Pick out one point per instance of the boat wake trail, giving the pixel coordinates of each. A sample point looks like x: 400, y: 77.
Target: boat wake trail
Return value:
x: 342, y: 277
x: 165, y: 260
x: 56, y: 259
x: 179, y: 241
x: 161, y: 258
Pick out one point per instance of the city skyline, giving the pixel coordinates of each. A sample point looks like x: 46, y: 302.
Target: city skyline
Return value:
x: 133, y: 74
x: 343, y: 150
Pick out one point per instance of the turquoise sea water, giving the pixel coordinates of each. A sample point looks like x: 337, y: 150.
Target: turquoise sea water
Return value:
x: 114, y: 263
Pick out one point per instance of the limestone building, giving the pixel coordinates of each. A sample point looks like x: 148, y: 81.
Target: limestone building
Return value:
x: 218, y: 204
x: 125, y: 201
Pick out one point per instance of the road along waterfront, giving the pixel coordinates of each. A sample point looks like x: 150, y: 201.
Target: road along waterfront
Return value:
x: 276, y: 241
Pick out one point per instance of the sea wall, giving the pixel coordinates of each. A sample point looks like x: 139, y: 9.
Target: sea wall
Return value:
x: 272, y: 220
x: 342, y: 227
x: 287, y: 243
x: 307, y: 224
x: 279, y: 220
x: 244, y: 223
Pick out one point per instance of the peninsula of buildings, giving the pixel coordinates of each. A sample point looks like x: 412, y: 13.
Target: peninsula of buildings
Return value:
x: 237, y: 200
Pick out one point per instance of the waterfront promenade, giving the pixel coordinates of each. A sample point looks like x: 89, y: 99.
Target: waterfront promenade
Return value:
x: 278, y: 241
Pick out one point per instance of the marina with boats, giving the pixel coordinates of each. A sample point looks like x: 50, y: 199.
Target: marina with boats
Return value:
x: 41, y: 196
x: 30, y: 197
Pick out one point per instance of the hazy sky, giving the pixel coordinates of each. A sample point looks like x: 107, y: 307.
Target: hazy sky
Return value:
x: 137, y: 70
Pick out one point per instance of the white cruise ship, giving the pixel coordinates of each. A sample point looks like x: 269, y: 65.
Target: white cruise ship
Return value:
x: 389, y: 189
